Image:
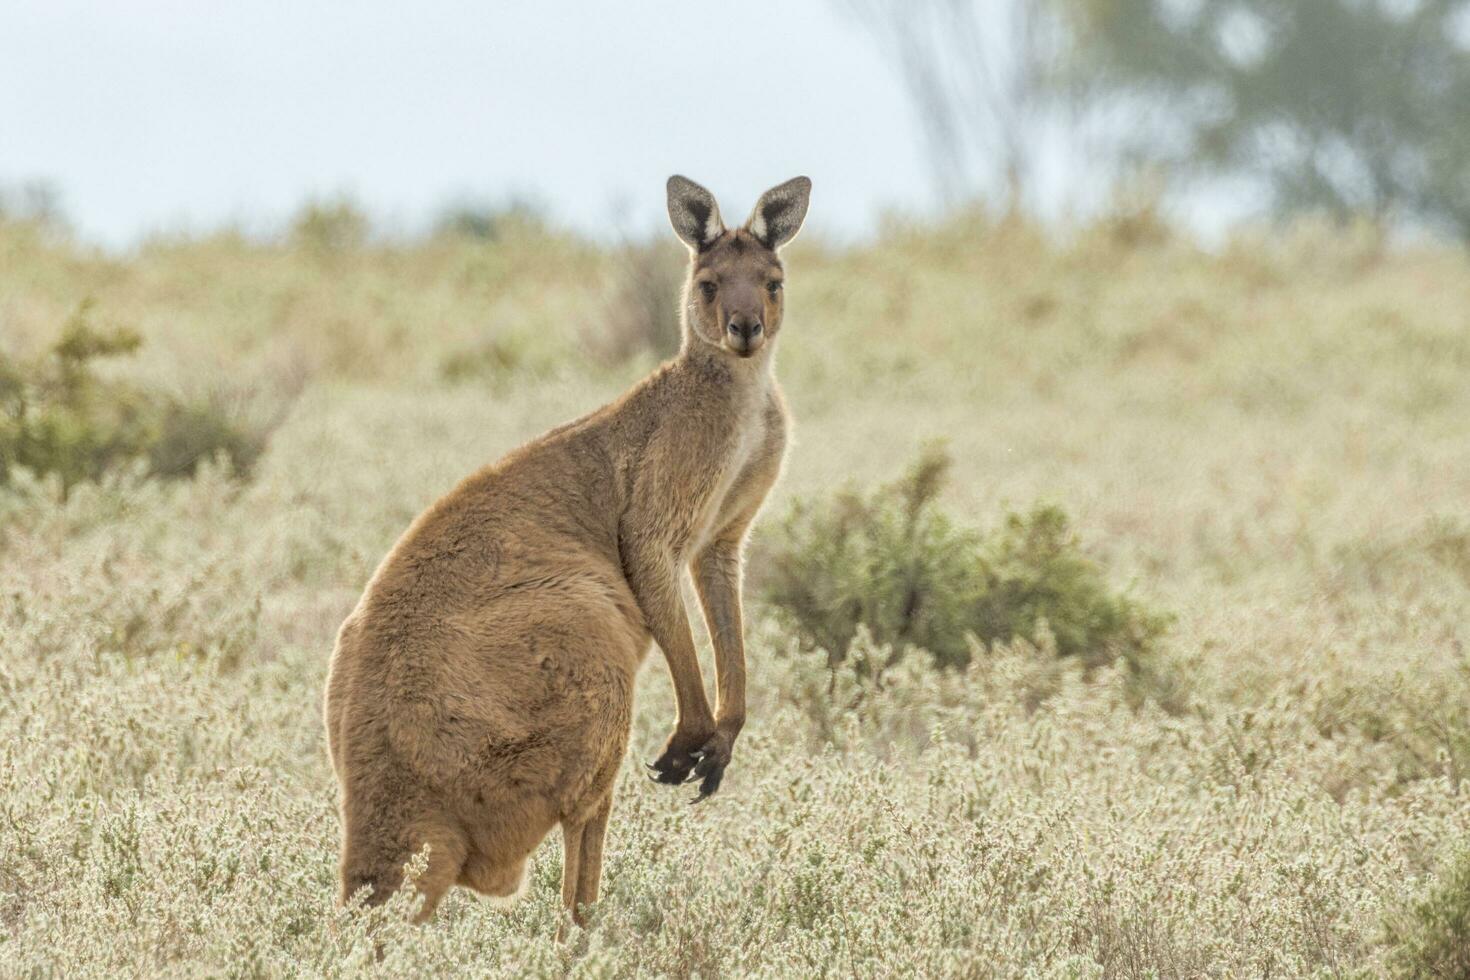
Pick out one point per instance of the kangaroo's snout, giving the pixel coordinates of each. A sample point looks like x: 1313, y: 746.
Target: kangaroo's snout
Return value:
x: 746, y: 334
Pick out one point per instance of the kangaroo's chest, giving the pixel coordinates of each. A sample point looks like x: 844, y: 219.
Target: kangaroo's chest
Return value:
x: 729, y: 484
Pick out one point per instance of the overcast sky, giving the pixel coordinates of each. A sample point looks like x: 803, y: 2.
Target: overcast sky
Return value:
x: 164, y: 114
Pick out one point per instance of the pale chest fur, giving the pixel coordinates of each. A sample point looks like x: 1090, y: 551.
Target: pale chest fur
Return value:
x: 745, y: 472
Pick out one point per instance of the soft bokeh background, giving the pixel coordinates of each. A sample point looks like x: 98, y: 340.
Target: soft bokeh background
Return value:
x: 1181, y: 286
x: 148, y: 116
x: 158, y: 115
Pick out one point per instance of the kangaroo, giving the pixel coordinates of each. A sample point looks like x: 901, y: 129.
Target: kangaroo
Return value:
x: 481, y: 692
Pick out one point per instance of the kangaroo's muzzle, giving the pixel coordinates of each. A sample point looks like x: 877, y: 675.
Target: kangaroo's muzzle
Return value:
x: 745, y: 335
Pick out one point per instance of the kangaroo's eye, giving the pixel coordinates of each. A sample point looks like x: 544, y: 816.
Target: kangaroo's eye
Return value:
x: 773, y: 287
x: 708, y: 289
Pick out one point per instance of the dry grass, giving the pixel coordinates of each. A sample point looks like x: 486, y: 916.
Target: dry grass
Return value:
x: 1270, y: 443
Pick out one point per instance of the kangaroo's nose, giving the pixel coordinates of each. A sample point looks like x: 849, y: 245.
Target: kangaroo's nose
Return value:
x: 744, y: 330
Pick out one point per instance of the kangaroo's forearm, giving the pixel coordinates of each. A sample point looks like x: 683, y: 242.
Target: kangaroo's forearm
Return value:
x: 655, y: 583
x: 717, y: 577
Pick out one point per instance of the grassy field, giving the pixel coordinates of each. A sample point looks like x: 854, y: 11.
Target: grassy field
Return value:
x: 1268, y: 443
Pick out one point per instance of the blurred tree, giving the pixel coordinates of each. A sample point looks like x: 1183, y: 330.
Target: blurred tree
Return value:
x: 978, y: 74
x: 35, y: 201
x: 1343, y: 106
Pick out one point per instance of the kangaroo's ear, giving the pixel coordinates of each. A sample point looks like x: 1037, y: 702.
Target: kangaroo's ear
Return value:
x: 694, y: 213
x: 780, y: 211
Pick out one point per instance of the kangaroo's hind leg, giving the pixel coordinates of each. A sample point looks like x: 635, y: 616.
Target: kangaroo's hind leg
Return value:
x: 571, y: 864
x: 581, y: 869
x: 589, y: 870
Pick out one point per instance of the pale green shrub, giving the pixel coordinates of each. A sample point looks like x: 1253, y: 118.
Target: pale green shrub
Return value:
x: 894, y: 562
x: 58, y: 415
x: 1433, y: 938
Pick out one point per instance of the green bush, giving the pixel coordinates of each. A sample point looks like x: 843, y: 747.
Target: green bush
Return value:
x: 893, y: 561
x: 336, y: 225
x: 188, y: 433
x: 491, y: 221
x: 57, y: 416
x: 1433, y: 939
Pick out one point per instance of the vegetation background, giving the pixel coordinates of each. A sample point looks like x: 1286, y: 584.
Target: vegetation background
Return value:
x: 1266, y: 444
x: 1110, y: 620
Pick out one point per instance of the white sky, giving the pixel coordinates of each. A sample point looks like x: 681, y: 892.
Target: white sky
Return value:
x: 150, y: 115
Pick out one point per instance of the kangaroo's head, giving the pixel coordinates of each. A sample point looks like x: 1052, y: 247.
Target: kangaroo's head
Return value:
x: 733, y: 297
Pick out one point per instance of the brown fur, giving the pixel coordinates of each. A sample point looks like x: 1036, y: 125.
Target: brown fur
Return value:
x: 481, y: 693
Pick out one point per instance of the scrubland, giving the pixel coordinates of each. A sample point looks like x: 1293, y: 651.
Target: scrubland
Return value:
x: 1263, y: 447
